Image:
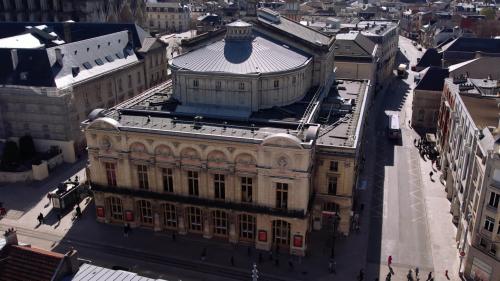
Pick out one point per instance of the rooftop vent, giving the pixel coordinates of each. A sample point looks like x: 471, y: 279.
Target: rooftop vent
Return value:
x: 465, y: 87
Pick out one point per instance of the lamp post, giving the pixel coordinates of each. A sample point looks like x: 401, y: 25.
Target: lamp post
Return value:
x: 255, y: 273
x: 462, y: 248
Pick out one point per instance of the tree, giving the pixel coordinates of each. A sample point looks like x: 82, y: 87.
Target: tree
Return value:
x: 27, y: 149
x: 10, y: 156
x: 489, y: 13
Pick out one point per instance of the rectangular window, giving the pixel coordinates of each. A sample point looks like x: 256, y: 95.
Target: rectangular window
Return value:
x: 281, y: 195
x: 196, y: 83
x: 142, y: 175
x: 334, y: 166
x: 168, y: 180
x: 246, y: 189
x: 489, y: 223
x: 194, y: 217
x: 494, y: 198
x: 276, y: 84
x: 220, y: 186
x: 241, y: 86
x: 110, y: 173
x: 170, y: 215
x: 120, y: 86
x: 332, y: 185
x: 193, y: 183
x: 220, y: 222
x: 218, y: 85
x: 247, y: 227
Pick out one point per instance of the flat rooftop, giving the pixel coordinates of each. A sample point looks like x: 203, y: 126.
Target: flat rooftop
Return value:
x: 337, y: 116
x: 376, y: 27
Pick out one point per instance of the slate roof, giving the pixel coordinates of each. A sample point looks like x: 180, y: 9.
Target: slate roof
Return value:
x: 433, y: 79
x: 89, y: 272
x: 262, y: 55
x: 23, y: 263
x: 431, y: 57
x: 151, y: 43
x: 32, y: 62
x: 297, y: 30
x: 357, y: 38
x: 466, y: 44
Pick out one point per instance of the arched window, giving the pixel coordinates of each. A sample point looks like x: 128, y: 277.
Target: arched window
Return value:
x: 115, y: 208
x: 146, y: 212
x: 170, y: 215
x: 281, y: 233
x: 195, y: 219
x: 220, y: 222
x: 247, y: 227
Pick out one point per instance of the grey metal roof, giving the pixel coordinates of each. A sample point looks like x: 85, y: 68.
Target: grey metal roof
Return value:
x: 239, y: 23
x: 262, y: 55
x: 298, y: 30
x: 346, y: 39
x: 89, y: 272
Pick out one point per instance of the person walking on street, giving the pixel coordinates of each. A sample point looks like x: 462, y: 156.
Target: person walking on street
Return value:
x: 409, y: 276
x: 389, y: 261
x: 446, y: 274
x: 431, y: 174
x: 204, y: 254
x: 125, y: 230
x: 361, y: 275
x: 417, y: 270
x: 429, y: 276
x: 40, y: 219
x: 388, y: 277
x: 232, y: 260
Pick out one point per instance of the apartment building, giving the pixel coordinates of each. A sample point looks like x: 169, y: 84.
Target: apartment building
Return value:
x: 57, y: 73
x: 167, y: 16
x: 468, y: 143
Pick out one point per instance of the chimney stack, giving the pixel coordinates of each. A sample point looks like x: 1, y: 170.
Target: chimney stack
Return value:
x: 59, y: 56
x: 15, y: 59
x: 11, y: 237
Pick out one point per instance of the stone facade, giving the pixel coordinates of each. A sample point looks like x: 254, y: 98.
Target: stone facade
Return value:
x: 80, y: 11
x: 167, y: 17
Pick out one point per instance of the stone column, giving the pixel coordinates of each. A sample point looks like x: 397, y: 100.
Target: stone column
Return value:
x: 181, y: 219
x: 157, y: 224
x: 233, y: 221
x: 207, y: 224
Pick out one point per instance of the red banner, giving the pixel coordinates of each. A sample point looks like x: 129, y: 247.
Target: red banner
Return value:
x: 262, y: 236
x: 297, y: 241
x: 129, y: 216
x: 100, y: 212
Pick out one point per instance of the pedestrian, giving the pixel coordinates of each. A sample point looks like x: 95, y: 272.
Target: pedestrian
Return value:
x: 78, y: 211
x: 290, y: 265
x: 446, y: 274
x: 416, y: 271
x: 431, y: 174
x: 415, y: 141
x: 388, y: 277
x: 429, y: 276
x: 409, y: 276
x: 59, y: 217
x: 409, y: 123
x: 260, y: 257
x: 389, y: 261
x: 173, y: 236
x: 204, y: 254
x: 232, y: 261
x: 40, y: 218
x: 361, y: 275
x: 125, y: 230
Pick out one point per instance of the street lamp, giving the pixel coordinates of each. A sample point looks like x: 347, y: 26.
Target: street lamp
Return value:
x: 462, y: 248
x: 255, y: 273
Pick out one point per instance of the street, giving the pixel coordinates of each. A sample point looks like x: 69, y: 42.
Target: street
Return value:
x: 406, y: 217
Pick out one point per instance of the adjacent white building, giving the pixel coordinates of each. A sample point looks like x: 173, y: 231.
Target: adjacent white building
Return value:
x: 167, y: 16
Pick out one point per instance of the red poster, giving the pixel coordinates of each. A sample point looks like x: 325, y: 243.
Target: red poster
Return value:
x: 297, y: 241
x: 262, y: 236
x: 129, y: 216
x: 100, y: 212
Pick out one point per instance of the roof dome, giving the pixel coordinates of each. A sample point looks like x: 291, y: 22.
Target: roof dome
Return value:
x: 239, y: 30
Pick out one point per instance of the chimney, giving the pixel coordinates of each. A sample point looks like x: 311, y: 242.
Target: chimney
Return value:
x: 71, y: 261
x: 59, y: 56
x: 67, y: 31
x: 15, y: 59
x: 11, y: 237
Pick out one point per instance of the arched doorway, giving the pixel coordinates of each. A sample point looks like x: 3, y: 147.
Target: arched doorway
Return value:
x: 281, y: 234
